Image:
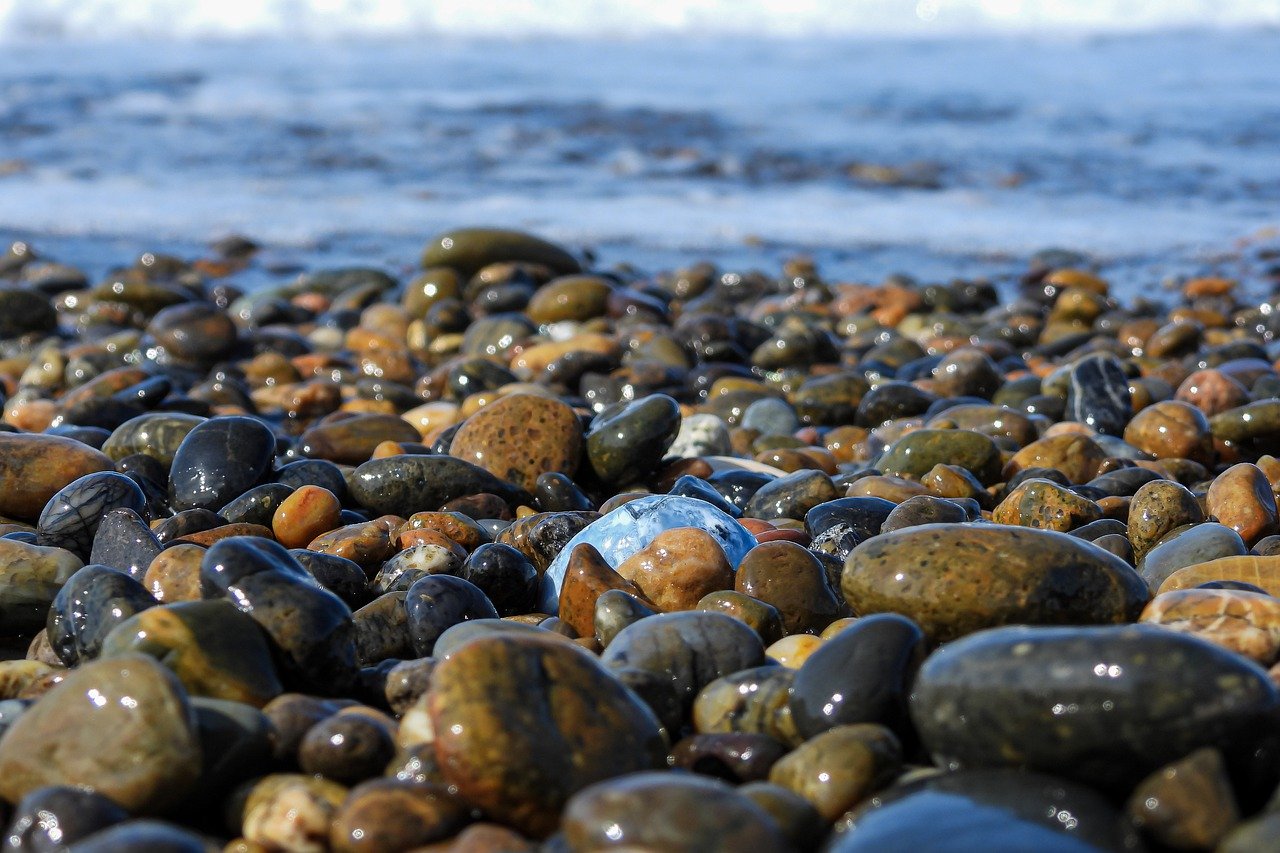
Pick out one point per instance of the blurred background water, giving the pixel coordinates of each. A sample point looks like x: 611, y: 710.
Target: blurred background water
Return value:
x: 938, y: 137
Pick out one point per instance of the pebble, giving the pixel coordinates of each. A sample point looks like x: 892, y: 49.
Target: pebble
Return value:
x: 524, y: 723
x: 520, y: 437
x: 1045, y: 505
x: 391, y: 814
x: 626, y: 443
x: 90, y: 604
x: 1187, y: 804
x: 954, y: 579
x: 150, y: 759
x: 680, y: 813
x: 1099, y: 394
x: 701, y: 435
x: 996, y: 699
x: 304, y: 515
x: 219, y: 460
x: 71, y: 518
x: 124, y: 542
x: 30, y: 578
x: 915, y: 454
x: 679, y: 567
x: 1241, y: 498
x: 790, y: 578
x: 839, y: 768
x: 405, y: 484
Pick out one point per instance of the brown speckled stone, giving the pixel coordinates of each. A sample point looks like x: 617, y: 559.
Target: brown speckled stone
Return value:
x: 367, y: 543
x: 791, y: 579
x: 953, y: 579
x: 1076, y: 456
x: 1171, y: 429
x: 35, y: 467
x: 351, y: 440
x: 1241, y: 498
x: 521, y: 436
x: 1045, y: 505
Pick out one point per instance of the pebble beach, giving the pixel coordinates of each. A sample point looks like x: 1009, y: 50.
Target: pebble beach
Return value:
x: 518, y: 553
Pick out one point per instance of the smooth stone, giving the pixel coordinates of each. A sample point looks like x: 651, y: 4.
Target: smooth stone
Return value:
x: 1045, y: 505
x: 258, y: 505
x: 1242, y: 499
x: 403, y: 485
x: 738, y: 485
x: 837, y: 527
x: 791, y: 496
x: 313, y: 472
x: 924, y: 509
x: 915, y: 454
x: 1262, y: 572
x: 309, y: 627
x: 125, y: 543
x: 735, y: 757
x: 235, y: 740
x: 408, y: 680
x: 1258, y: 421
x: 998, y: 698
x: 194, y: 332
x: 464, y: 632
x: 762, y: 617
x: 468, y: 250
x: 839, y: 768
x: 365, y: 543
x: 615, y: 610
x: 90, y: 604
x: 986, y: 810
x: 1077, y: 457
x: 154, y: 836
x: 150, y: 759
x: 994, y: 421
x: 1171, y: 429
x: 557, y: 493
x: 219, y: 460
x: 689, y: 486
x: 788, y: 577
x: 770, y: 416
x: 523, y: 723
x: 391, y: 814
x: 213, y: 649
x: 174, y: 575
x: 1158, y: 508
x: 25, y: 310
x: 30, y: 577
x: 346, y: 748
x: 627, y: 443
x: 1099, y: 394
x: 1196, y: 544
x: 954, y: 579
x: 1247, y: 623
x: 669, y: 812
x: 830, y: 400
x: 185, y: 523
x: 1124, y: 481
x: 287, y: 811
x: 634, y: 525
x: 750, y: 701
x: 505, y: 576
x: 352, y: 440
x: 304, y: 515
x: 701, y: 435
x: 519, y: 437
x: 33, y: 468
x: 1186, y: 805
x: 54, y: 817
x: 343, y: 577
x: 891, y: 401
x: 436, y: 603
x: 863, y: 674
x: 689, y: 649
x: 382, y: 630
x: 71, y: 517
x: 676, y: 569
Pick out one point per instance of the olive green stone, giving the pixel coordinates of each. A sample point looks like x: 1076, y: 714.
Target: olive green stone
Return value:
x: 913, y: 455
x: 467, y: 250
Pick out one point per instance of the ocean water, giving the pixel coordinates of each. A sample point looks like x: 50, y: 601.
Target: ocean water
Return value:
x: 939, y: 137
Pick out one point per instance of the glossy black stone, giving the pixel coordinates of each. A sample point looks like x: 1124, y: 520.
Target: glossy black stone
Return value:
x: 505, y: 576
x: 403, y: 485
x: 314, y: 472
x: 187, y: 522
x: 218, y: 461
x: 343, y: 577
x: 628, y: 442
x: 55, y: 817
x: 256, y: 506
x: 1099, y: 394
x: 555, y: 492
x: 436, y: 603
x: 92, y: 602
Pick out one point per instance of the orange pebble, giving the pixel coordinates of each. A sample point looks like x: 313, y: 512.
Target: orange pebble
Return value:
x: 797, y: 536
x: 304, y: 515
x: 756, y: 526
x: 427, y: 536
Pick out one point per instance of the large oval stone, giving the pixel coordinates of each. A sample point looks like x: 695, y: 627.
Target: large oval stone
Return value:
x: 34, y: 467
x: 121, y: 726
x: 954, y: 579
x: 30, y: 577
x: 522, y: 723
x: 468, y: 249
x: 1105, y: 706
x: 351, y: 441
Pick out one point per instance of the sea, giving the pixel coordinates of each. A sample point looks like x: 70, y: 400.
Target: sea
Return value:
x: 935, y: 138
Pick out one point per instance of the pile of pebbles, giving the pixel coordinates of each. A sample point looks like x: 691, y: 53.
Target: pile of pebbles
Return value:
x: 518, y: 556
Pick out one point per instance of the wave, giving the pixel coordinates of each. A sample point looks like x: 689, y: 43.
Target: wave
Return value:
x: 42, y: 20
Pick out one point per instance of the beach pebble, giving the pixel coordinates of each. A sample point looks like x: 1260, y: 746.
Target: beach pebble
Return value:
x: 789, y: 578
x: 677, y: 568
x: 391, y: 814
x: 990, y: 699
x: 435, y: 603
x: 90, y: 604
x: 122, y: 725
x: 30, y: 577
x: 1045, y: 505
x: 405, y: 484
x: 519, y: 437
x: 33, y: 468
x: 701, y: 435
x: 1241, y: 498
x: 124, y: 542
x: 1187, y: 804
x: 219, y: 460
x: 523, y: 723
x: 1158, y: 508
x: 913, y: 455
x: 953, y: 579
x: 839, y: 768
x: 626, y: 443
